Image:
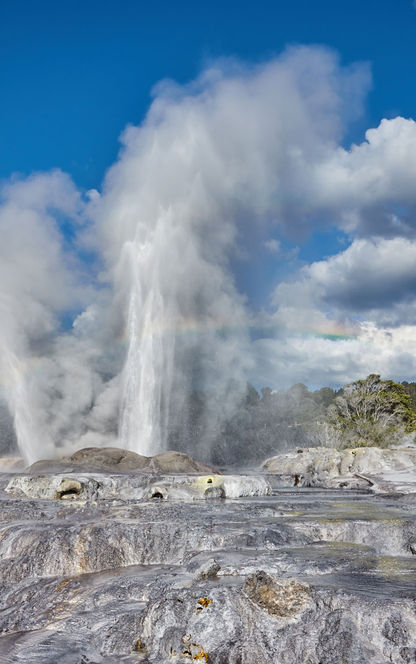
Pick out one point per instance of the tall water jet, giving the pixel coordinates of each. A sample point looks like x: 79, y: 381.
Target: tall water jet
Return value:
x: 147, y: 374
x: 27, y: 412
x: 174, y: 309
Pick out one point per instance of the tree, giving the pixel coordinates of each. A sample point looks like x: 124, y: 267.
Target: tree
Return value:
x: 410, y: 389
x: 371, y: 412
x: 324, y: 396
x: 252, y: 396
x: 299, y: 392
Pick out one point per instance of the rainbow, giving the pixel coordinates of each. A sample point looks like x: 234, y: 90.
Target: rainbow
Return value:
x: 330, y: 336
x: 333, y: 331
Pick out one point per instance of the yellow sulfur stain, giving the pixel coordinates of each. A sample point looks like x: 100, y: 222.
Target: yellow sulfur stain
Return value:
x: 194, y: 650
x: 204, y: 602
x: 205, y: 481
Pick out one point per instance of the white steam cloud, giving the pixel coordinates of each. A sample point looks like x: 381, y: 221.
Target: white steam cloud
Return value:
x: 158, y: 316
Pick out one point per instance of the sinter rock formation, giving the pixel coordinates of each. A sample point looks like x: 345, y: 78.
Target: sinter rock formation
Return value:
x: 161, y: 566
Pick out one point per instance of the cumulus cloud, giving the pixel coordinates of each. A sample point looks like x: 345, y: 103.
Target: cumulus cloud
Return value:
x: 369, y: 189
x: 320, y: 359
x: 374, y: 278
x: 349, y: 315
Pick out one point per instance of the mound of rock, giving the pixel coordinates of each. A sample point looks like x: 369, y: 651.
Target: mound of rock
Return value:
x: 364, y: 467
x: 116, y: 459
x: 10, y: 463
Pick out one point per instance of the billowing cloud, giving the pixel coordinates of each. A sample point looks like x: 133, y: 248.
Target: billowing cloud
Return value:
x: 318, y: 359
x: 349, y: 315
x: 370, y: 189
x: 374, y: 278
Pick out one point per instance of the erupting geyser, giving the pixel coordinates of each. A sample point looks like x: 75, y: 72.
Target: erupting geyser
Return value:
x: 122, y: 320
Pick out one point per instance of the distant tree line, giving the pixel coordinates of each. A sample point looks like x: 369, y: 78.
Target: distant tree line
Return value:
x: 370, y: 411
x: 366, y: 412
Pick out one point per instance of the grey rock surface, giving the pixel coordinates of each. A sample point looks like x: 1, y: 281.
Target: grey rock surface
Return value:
x: 95, y: 568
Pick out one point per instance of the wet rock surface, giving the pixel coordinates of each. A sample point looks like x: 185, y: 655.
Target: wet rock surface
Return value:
x: 100, y: 567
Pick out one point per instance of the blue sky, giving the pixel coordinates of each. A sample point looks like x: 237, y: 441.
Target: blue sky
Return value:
x: 74, y: 73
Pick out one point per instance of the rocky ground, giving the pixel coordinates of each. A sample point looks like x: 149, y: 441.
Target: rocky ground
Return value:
x: 170, y: 562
